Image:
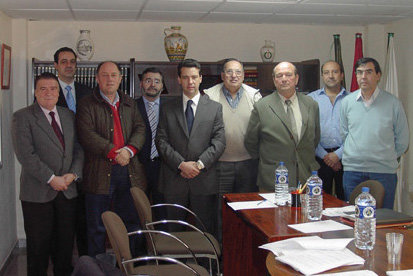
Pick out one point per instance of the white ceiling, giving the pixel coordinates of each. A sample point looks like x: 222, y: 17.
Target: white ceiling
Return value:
x: 348, y: 12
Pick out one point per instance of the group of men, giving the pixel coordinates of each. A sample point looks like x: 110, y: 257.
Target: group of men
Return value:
x: 188, y: 150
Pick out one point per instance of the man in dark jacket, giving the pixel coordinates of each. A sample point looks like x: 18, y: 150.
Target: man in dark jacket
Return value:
x: 111, y: 131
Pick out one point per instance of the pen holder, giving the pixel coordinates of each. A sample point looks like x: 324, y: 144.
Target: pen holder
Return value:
x: 296, y: 200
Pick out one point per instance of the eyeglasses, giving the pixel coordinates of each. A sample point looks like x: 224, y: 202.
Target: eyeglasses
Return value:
x: 237, y: 73
x: 149, y: 81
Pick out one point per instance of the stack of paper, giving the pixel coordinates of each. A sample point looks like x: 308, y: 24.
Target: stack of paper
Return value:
x: 311, y: 255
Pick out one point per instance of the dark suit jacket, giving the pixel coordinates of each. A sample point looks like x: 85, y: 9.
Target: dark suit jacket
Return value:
x: 80, y: 91
x: 145, y: 153
x: 206, y: 143
x: 41, y: 155
x: 269, y: 138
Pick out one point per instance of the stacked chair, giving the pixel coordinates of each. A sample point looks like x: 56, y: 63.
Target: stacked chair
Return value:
x: 201, y: 243
x: 119, y: 239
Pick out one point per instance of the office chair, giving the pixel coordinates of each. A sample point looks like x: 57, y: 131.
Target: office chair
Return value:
x: 376, y: 190
x: 203, y: 244
x: 118, y: 237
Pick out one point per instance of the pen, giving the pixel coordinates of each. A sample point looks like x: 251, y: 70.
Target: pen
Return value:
x: 261, y: 201
x: 302, y: 189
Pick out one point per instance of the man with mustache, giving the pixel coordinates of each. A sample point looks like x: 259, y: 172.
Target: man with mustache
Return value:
x: 330, y: 149
x: 149, y: 106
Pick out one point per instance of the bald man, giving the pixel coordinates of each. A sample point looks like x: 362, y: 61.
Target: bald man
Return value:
x: 284, y: 126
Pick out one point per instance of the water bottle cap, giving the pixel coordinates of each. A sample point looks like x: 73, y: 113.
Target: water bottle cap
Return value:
x: 281, y: 163
x: 314, y: 172
x: 365, y: 189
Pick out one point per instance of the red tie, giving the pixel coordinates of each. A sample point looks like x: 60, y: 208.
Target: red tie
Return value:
x: 57, y: 130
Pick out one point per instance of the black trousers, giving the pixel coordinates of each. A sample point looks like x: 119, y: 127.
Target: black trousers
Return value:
x: 327, y: 174
x: 50, y: 229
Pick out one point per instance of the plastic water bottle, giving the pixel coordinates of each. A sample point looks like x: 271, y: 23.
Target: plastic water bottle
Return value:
x: 365, y: 225
x: 314, y: 197
x: 281, y: 185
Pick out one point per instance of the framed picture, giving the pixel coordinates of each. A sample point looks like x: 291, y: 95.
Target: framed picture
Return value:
x: 5, y: 66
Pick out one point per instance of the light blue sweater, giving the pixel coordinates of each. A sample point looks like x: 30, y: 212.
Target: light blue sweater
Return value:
x: 375, y: 136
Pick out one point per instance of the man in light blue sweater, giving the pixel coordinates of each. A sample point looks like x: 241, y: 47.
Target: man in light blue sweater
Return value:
x: 375, y: 133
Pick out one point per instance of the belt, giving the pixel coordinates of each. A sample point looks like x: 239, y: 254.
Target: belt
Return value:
x: 331, y: 149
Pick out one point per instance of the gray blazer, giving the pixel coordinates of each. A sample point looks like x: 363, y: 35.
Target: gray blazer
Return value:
x: 269, y: 138
x: 41, y: 155
x: 175, y: 145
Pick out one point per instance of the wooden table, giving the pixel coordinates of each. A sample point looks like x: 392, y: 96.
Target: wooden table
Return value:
x: 243, y: 231
x: 376, y: 260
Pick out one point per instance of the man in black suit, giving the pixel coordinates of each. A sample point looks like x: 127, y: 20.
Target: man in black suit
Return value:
x: 45, y: 144
x: 70, y: 92
x: 149, y: 106
x: 190, y: 139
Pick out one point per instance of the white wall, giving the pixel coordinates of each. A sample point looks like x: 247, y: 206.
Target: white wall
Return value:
x: 7, y: 181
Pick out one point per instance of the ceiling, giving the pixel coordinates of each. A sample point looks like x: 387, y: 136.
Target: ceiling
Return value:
x: 348, y: 12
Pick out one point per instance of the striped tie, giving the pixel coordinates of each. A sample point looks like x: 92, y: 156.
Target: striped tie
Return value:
x: 153, y: 123
x: 69, y: 99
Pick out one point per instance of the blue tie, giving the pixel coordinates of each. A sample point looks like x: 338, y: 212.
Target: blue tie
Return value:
x: 189, y: 114
x: 69, y: 99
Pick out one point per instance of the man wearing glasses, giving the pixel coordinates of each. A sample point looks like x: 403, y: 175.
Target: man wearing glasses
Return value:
x: 149, y: 106
x: 237, y: 171
x: 284, y: 126
x: 375, y: 133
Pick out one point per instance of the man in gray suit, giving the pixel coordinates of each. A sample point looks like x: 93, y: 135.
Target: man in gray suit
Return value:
x: 45, y: 144
x: 190, y: 139
x: 284, y: 126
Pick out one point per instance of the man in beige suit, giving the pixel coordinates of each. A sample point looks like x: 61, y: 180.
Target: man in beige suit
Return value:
x: 284, y: 126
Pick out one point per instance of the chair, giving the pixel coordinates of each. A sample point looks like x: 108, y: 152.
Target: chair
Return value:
x: 376, y: 190
x: 118, y: 237
x: 203, y: 244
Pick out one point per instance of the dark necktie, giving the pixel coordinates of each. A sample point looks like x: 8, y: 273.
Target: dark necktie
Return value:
x: 57, y: 130
x: 189, y: 114
x: 290, y: 115
x: 153, y: 124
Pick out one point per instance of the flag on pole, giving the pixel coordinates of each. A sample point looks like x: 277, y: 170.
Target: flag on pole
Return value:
x: 390, y: 70
x: 358, y: 53
x: 338, y: 58
x: 389, y: 83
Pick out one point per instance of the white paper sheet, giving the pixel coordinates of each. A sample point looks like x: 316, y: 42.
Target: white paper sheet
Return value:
x: 319, y: 226
x: 309, y: 262
x: 408, y: 272
x: 350, y: 273
x: 289, y: 246
x: 269, y: 196
x: 256, y: 204
x: 339, y: 212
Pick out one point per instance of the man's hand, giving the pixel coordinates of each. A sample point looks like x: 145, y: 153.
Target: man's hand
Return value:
x: 123, y: 157
x: 189, y: 169
x: 58, y: 183
x: 69, y: 178
x: 331, y: 159
x: 336, y: 167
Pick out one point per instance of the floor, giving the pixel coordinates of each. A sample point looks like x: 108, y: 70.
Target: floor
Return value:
x: 16, y: 265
